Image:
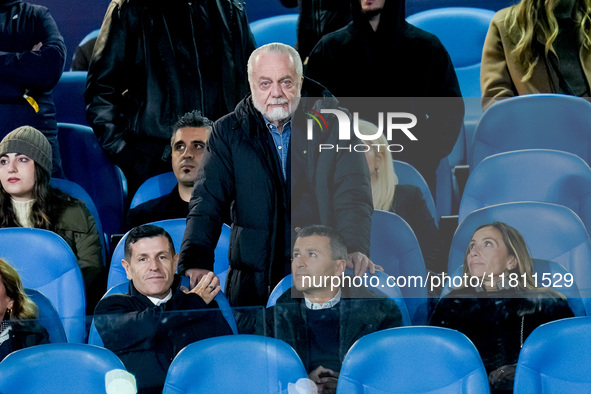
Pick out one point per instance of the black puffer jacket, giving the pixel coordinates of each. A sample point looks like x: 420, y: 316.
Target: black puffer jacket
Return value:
x: 156, y: 60
x: 240, y: 173
x: 22, y: 70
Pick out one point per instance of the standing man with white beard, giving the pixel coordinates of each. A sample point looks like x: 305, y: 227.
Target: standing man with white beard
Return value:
x: 259, y: 166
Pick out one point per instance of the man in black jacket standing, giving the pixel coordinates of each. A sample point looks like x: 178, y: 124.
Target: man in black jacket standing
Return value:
x: 155, y: 61
x: 379, y: 55
x: 262, y: 166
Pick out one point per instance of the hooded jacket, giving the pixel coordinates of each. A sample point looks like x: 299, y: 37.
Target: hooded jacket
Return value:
x: 397, y: 60
x: 240, y: 173
x: 317, y: 18
x: 154, y: 61
x: 23, y: 71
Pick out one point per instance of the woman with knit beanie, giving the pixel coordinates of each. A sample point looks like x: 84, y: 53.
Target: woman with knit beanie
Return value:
x: 27, y: 200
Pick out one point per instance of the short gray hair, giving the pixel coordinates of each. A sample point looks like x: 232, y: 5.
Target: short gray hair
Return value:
x: 338, y: 250
x: 279, y: 48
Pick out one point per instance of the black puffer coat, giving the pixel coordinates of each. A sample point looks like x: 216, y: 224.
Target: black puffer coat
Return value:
x: 240, y: 173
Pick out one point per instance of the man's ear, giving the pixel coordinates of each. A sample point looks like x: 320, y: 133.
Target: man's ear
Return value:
x: 175, y: 258
x: 125, y: 265
x: 341, y: 265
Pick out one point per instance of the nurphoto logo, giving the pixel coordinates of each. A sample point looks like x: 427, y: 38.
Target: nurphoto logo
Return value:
x: 395, y: 122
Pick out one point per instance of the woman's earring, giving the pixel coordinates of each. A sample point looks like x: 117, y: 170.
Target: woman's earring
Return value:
x: 377, y: 170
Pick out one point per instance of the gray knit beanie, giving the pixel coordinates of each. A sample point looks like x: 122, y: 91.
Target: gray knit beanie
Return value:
x: 27, y: 140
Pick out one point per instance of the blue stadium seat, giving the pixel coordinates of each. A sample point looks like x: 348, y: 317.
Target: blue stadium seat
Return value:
x: 235, y: 364
x: 46, y: 263
x: 86, y: 164
x: 92, y: 35
x: 447, y: 192
x: 278, y: 28
x: 95, y: 339
x: 68, y: 96
x: 154, y: 187
x: 555, y: 358
x: 176, y: 229
x: 530, y: 175
x: 76, y: 191
x: 48, y: 316
x: 413, y: 360
x: 395, y: 247
x: 382, y: 288
x: 408, y: 175
x: 462, y: 31
x: 58, y: 368
x: 552, y: 232
x: 534, y: 121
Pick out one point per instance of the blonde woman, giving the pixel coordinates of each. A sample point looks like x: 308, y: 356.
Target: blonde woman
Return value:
x: 538, y: 46
x: 406, y: 201
x: 16, y: 332
x: 499, y: 313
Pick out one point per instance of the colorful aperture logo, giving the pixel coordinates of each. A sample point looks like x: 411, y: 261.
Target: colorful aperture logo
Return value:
x: 317, y: 117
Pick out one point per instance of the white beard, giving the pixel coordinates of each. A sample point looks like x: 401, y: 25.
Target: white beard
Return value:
x: 278, y: 113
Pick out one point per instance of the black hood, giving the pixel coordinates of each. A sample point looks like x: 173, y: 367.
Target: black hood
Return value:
x: 392, y: 19
x: 8, y: 3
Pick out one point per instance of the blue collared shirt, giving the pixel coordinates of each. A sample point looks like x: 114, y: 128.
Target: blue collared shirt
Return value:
x: 281, y: 142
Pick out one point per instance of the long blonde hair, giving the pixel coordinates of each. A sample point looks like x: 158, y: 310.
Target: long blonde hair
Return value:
x: 384, y: 181
x: 531, y: 18
x: 23, y: 307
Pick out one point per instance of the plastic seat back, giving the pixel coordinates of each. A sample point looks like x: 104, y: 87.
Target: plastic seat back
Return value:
x: 413, y: 360
x: 279, y: 28
x: 555, y: 358
x: 58, y: 368
x: 258, y: 365
x: 407, y: 174
x: 86, y: 164
x: 76, y: 191
x: 45, y: 262
x: 530, y: 175
x: 395, y: 247
x: 68, y: 96
x: 534, y: 121
x: 462, y: 31
x: 48, y: 316
x: 154, y: 187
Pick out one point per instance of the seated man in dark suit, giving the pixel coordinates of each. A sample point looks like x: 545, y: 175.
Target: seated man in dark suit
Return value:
x: 189, y: 136
x: 322, y: 322
x: 141, y: 327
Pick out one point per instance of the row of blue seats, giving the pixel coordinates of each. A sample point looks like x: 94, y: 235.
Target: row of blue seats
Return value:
x: 553, y: 233
x: 554, y: 358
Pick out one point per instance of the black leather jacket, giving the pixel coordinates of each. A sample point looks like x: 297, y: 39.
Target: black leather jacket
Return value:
x: 155, y: 60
